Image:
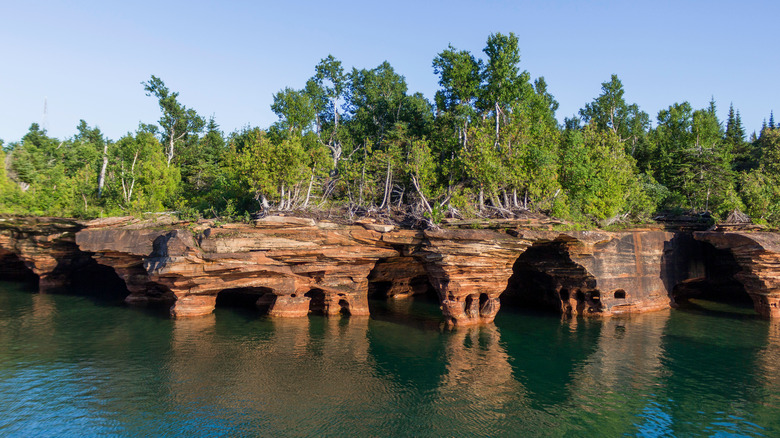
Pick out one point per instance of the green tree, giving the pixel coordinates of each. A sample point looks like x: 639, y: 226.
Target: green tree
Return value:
x: 599, y: 177
x: 177, y: 121
x: 375, y: 101
x: 459, y: 78
x: 141, y: 180
x: 200, y: 162
x: 295, y: 109
x: 502, y: 82
x: 327, y: 89
x: 609, y: 111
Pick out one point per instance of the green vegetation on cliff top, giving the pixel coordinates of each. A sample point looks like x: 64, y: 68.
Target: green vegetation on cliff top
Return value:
x: 358, y: 140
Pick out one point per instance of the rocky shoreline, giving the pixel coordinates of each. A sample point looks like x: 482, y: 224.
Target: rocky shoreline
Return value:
x: 295, y: 266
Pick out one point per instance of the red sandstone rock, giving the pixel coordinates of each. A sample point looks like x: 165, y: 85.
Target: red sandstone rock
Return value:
x: 290, y: 260
x: 304, y: 266
x: 470, y: 269
x: 45, y: 245
x: 758, y: 254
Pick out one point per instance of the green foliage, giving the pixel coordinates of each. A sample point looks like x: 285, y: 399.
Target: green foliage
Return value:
x: 177, y: 121
x: 598, y: 176
x: 491, y: 145
x: 139, y: 178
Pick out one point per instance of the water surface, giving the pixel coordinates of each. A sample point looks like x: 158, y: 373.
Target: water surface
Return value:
x: 75, y: 366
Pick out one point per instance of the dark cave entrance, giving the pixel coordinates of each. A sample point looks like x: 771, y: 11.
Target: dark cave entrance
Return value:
x: 249, y: 298
x: 12, y: 268
x: 712, y: 278
x: 89, y: 278
x: 545, y: 278
x: 400, y: 291
x: 316, y: 301
x: 400, y: 277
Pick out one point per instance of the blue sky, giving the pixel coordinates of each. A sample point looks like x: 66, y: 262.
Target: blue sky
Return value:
x: 86, y: 59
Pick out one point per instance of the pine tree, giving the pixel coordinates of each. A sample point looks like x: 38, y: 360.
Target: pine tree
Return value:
x: 734, y: 140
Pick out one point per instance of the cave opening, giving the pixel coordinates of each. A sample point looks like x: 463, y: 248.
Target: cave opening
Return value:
x: 249, y: 298
x: 712, y: 283
x: 12, y: 268
x: 344, y: 307
x: 544, y: 278
x: 89, y: 278
x: 400, y: 277
x: 400, y: 291
x: 316, y: 301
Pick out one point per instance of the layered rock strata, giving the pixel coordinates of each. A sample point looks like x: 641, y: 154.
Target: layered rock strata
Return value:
x: 596, y: 273
x: 46, y: 246
x: 469, y: 269
x: 297, y: 266
x: 304, y: 266
x: 758, y: 256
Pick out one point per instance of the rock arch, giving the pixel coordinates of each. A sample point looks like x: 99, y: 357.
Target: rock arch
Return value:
x: 13, y: 268
x: 757, y: 254
x: 595, y: 273
x: 545, y: 277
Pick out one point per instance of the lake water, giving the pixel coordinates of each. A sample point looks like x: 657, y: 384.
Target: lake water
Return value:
x: 77, y: 366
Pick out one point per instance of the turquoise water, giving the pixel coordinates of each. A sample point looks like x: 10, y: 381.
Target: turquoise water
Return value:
x: 76, y: 366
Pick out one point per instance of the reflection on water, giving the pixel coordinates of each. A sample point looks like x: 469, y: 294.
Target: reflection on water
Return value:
x: 71, y: 366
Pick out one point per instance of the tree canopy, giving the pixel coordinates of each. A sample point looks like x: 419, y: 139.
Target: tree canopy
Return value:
x: 489, y: 144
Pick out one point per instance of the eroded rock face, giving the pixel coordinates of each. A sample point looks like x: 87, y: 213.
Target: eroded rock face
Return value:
x: 596, y: 273
x: 296, y: 266
x: 627, y: 268
x: 46, y: 246
x: 758, y: 256
x: 307, y: 266
x: 399, y: 277
x: 470, y: 270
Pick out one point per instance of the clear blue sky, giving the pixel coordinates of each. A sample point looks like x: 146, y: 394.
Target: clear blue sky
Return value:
x: 226, y: 59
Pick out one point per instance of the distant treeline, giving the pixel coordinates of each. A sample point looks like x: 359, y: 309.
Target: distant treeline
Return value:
x: 488, y: 145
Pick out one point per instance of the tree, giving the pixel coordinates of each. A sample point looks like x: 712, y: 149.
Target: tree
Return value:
x: 670, y: 139
x: 199, y: 161
x: 177, y: 121
x: 609, y: 111
x: 600, y: 179
x: 326, y: 89
x: 89, y: 147
x: 140, y: 179
x: 375, y: 101
x: 503, y: 83
x: 459, y: 79
x: 295, y: 109
x: 734, y: 140
x: 708, y: 180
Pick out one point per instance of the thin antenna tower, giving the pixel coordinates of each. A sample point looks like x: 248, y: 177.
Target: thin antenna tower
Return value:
x: 45, y: 113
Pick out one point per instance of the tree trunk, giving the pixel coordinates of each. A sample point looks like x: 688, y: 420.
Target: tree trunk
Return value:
x: 102, y: 178
x: 386, y: 194
x: 497, y: 113
x: 494, y: 199
x: 308, y: 191
x: 170, y: 149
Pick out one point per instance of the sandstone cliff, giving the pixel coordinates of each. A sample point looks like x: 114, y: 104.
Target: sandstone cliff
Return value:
x: 297, y: 266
